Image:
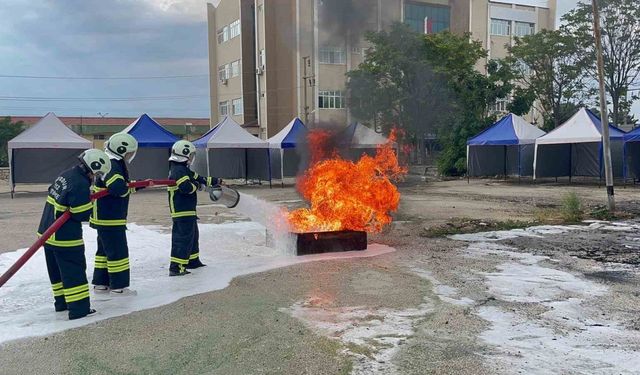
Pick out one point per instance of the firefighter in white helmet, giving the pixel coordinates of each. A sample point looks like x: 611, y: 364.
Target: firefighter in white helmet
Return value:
x: 111, y: 271
x: 64, y: 250
x: 185, y: 253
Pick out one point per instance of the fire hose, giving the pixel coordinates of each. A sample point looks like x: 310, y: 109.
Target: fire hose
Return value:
x: 60, y: 222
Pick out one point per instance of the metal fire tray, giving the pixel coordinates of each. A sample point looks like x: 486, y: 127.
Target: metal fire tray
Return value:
x: 329, y: 242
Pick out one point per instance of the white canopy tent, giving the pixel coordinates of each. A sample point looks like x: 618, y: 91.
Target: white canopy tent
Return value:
x: 232, y: 152
x: 40, y: 153
x: 360, y: 139
x: 575, y: 148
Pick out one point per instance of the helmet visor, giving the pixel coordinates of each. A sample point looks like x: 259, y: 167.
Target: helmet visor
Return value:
x: 130, y: 156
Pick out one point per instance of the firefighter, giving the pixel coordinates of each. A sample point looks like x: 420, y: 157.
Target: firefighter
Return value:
x: 109, y: 218
x: 185, y: 253
x: 64, y: 250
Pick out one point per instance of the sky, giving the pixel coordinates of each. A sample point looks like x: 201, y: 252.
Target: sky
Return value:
x: 133, y: 39
x: 104, y: 39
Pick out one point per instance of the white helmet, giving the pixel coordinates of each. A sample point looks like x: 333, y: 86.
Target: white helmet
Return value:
x: 121, y: 146
x: 182, y: 151
x: 96, y: 161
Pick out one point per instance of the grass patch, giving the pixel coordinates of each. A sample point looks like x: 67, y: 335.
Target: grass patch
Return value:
x: 571, y: 208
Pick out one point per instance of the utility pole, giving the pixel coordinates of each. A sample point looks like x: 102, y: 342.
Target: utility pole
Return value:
x: 604, y: 116
x: 306, y: 61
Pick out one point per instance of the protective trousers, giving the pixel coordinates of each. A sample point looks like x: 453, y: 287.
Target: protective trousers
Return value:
x: 112, y: 259
x: 67, y: 273
x: 184, y: 243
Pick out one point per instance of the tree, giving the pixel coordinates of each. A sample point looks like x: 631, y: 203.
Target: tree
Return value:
x: 426, y: 84
x: 8, y: 130
x: 550, y: 67
x: 620, y: 24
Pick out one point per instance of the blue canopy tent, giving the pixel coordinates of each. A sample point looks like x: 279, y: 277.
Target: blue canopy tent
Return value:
x: 506, y: 148
x: 631, y: 152
x: 154, y: 148
x: 285, y: 158
x: 229, y: 151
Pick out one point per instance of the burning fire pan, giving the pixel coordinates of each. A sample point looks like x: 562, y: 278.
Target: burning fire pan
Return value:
x: 330, y: 242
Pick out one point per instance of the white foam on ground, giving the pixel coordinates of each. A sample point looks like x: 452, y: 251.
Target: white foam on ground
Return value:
x: 377, y: 332
x: 541, y: 230
x: 446, y: 293
x: 229, y: 250
x: 569, y: 337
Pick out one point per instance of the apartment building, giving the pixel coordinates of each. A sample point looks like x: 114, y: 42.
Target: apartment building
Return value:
x: 272, y: 60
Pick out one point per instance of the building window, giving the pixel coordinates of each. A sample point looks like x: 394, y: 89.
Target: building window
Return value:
x: 262, y: 59
x: 234, y: 29
x: 223, y: 108
x: 224, y: 72
x: 500, y: 106
x: 426, y: 17
x: 99, y: 137
x: 237, y: 107
x: 332, y: 55
x: 331, y: 99
x: 524, y: 28
x: 223, y: 34
x: 500, y: 27
x: 235, y: 68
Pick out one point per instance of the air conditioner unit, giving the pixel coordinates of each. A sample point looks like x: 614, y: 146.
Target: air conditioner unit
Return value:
x: 259, y: 71
x: 224, y: 81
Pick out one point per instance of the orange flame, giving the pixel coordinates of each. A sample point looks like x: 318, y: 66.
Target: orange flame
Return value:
x: 344, y: 195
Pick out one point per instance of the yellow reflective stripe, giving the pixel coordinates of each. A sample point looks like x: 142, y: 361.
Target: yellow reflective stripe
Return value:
x: 55, y: 204
x: 119, y: 269
x: 129, y: 192
x: 118, y: 262
x: 113, y: 179
x: 172, y: 188
x: 193, y: 190
x: 82, y: 208
x: 97, y: 189
x: 195, y: 175
x: 181, y: 180
x: 57, y: 289
x: 209, y: 181
x: 114, y: 222
x: 194, y: 256
x: 76, y: 289
x: 101, y: 258
x: 183, y: 214
x: 65, y: 243
x: 76, y: 297
x: 179, y: 261
x: 171, y: 207
x: 100, y: 266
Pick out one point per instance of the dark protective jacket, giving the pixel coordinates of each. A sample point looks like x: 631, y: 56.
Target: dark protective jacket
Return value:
x: 182, y: 197
x: 70, y: 191
x: 110, y: 212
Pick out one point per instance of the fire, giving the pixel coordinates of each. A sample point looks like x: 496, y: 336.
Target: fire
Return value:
x: 346, y: 195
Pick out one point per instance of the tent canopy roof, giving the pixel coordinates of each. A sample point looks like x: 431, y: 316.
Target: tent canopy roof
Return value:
x: 49, y: 132
x: 583, y: 127
x: 149, y: 133
x: 229, y: 134
x: 633, y: 136
x: 361, y: 136
x: 290, y: 136
x: 509, y: 130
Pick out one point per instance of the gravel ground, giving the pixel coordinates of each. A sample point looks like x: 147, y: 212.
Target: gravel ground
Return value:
x: 422, y: 303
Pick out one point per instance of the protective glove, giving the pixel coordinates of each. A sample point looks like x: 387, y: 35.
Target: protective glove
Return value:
x: 199, y: 186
